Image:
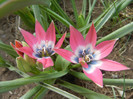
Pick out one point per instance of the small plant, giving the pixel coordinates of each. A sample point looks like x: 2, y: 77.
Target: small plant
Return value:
x: 42, y: 61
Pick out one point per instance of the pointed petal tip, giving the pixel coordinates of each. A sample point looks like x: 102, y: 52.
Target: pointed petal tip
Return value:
x: 100, y: 85
x: 71, y: 27
x: 117, y: 39
x: 19, y: 28
x: 52, y: 22
x: 11, y: 44
x: 126, y: 68
x: 93, y: 24
x: 17, y: 41
x: 37, y: 21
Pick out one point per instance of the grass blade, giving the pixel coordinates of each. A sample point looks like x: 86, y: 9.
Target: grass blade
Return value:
x: 9, y: 6
x: 74, y: 9
x: 118, y: 33
x: 61, y: 12
x: 22, y: 81
x: 127, y: 82
x: 59, y: 91
x: 56, y: 16
x: 8, y: 49
x: 83, y: 91
x: 84, y: 8
x: 90, y: 11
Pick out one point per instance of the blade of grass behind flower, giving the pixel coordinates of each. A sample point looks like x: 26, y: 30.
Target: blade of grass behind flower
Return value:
x: 125, y: 4
x: 84, y: 4
x: 27, y: 17
x: 112, y: 10
x: 103, y: 18
x: 8, y: 49
x: 37, y: 14
x: 90, y: 11
x: 56, y: 16
x: 9, y: 6
x: 118, y: 33
x: 75, y: 10
x: 44, y: 17
x: 61, y: 12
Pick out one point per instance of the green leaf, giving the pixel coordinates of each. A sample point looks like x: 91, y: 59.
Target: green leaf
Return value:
x: 59, y: 91
x: 83, y: 91
x: 118, y: 33
x: 90, y: 11
x: 61, y: 12
x: 84, y: 5
x: 8, y: 49
x: 43, y: 91
x: 9, y: 6
x: 81, y: 21
x: 38, y: 15
x: 108, y: 15
x: 61, y: 63
x: 124, y: 5
x: 2, y: 62
x: 31, y: 92
x: 104, y: 17
x: 27, y: 80
x: 75, y: 10
x: 128, y: 82
x: 27, y: 17
x: 56, y: 16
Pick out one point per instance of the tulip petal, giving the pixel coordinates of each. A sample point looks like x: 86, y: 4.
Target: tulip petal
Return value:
x: 104, y: 48
x: 94, y: 74
x: 76, y: 39
x: 27, y: 50
x: 15, y: 48
x: 110, y: 65
x: 40, y: 33
x: 83, y: 63
x: 58, y: 45
x: 29, y: 38
x: 46, y: 61
x: 50, y: 34
x: 67, y: 55
x: 18, y: 44
x: 91, y: 36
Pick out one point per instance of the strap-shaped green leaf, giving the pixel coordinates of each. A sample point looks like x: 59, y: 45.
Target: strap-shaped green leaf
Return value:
x: 22, y: 81
x: 83, y: 91
x: 8, y: 49
x: 127, y: 82
x: 9, y: 6
x: 118, y: 33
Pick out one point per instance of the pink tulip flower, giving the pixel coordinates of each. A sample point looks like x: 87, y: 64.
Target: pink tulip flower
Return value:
x: 42, y: 46
x: 91, y: 57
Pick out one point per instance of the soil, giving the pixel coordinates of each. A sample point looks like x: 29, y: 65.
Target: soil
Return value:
x: 123, y: 53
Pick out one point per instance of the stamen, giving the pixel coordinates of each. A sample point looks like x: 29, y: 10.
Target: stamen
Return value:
x: 88, y: 58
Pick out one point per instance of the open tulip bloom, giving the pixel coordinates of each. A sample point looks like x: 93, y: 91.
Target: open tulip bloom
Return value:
x: 90, y: 56
x: 42, y: 46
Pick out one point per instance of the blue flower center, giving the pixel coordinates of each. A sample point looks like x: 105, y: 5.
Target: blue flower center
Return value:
x: 87, y: 56
x: 43, y: 52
